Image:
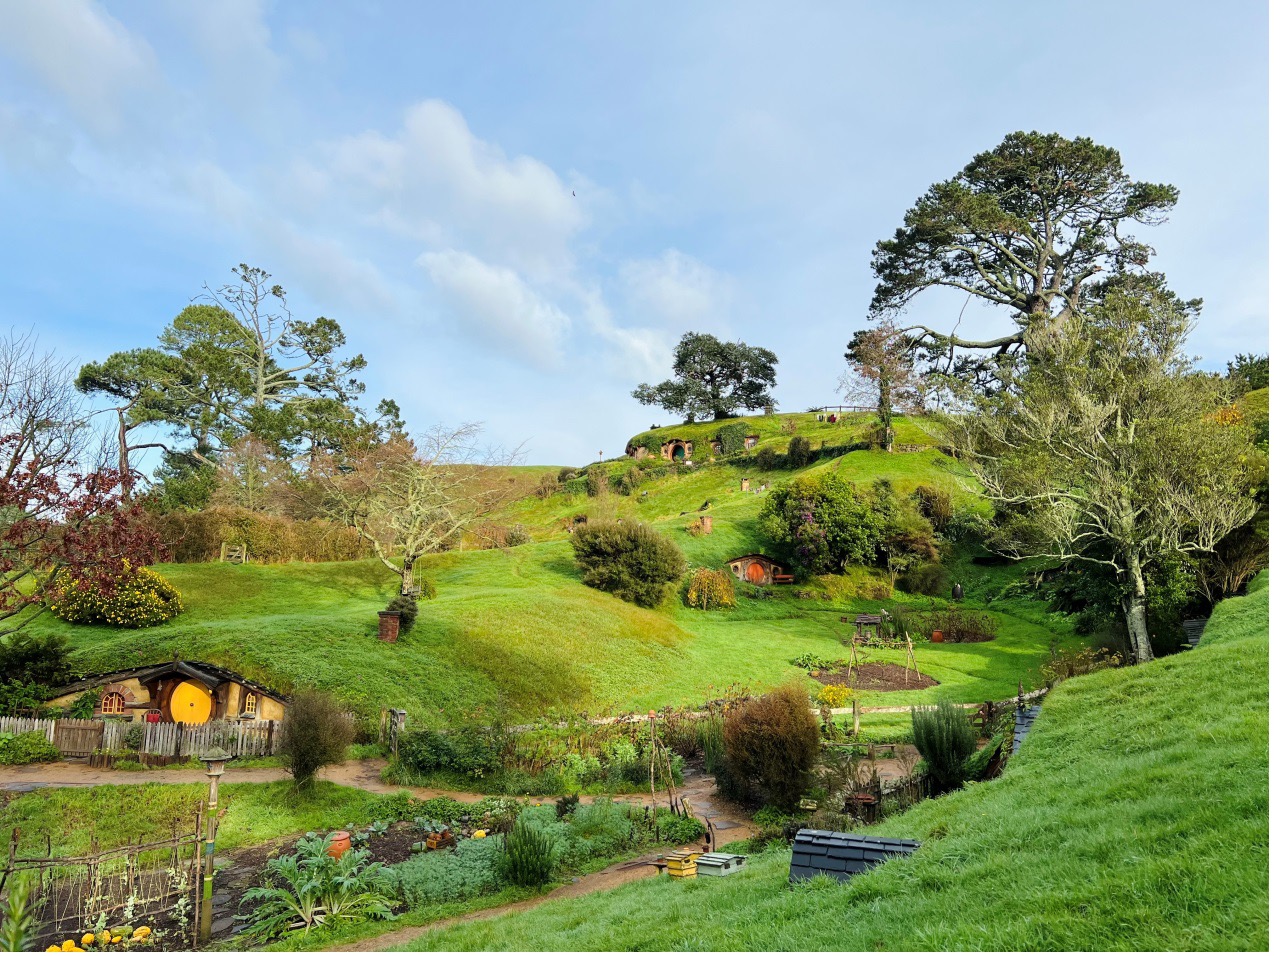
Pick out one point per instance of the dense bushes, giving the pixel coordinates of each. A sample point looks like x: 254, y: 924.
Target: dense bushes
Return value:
x: 472, y: 751
x: 631, y: 561
x: 198, y: 536
x: 31, y: 747
x: 472, y: 869
x: 315, y: 733
x: 931, y: 579
x: 710, y: 589
x: 772, y: 743
x: 934, y: 504
x: 767, y: 459
x: 945, y: 738
x: 732, y: 437
x: 798, y: 452
x: 30, y: 658
x: 139, y: 598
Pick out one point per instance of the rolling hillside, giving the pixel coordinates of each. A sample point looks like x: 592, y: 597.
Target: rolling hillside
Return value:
x: 1136, y: 816
x: 516, y: 627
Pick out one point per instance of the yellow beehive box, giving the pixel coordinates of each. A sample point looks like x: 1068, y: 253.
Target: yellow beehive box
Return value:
x: 683, y: 865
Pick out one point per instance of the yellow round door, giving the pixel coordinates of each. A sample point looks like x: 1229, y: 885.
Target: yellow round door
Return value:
x: 190, y: 703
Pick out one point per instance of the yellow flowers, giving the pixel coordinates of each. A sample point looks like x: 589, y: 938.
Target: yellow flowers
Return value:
x: 479, y: 834
x: 141, y: 598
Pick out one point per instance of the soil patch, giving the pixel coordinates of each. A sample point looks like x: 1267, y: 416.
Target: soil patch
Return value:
x: 880, y: 677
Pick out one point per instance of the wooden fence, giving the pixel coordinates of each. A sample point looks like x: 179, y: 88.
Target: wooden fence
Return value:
x: 82, y: 738
x: 153, y: 883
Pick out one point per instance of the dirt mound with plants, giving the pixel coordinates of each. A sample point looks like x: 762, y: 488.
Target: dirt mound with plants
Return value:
x: 878, y: 677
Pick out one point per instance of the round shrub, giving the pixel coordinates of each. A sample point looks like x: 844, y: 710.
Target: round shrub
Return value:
x: 772, y: 743
x: 710, y: 589
x: 767, y: 459
x: 632, y: 561
x: 316, y: 732
x: 528, y: 855
x: 732, y: 437
x: 139, y: 598
x: 407, y: 608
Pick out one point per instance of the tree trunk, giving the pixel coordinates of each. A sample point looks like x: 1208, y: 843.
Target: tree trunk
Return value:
x: 125, y: 472
x: 408, y: 584
x: 1134, y: 605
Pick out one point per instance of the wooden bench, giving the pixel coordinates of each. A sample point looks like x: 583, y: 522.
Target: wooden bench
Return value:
x: 784, y: 578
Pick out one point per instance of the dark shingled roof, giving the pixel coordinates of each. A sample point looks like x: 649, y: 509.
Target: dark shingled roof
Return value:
x: 1022, y: 721
x: 842, y: 855
x: 209, y: 674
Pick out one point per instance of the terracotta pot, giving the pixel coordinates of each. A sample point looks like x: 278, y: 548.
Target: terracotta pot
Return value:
x: 937, y: 637
x: 339, y: 845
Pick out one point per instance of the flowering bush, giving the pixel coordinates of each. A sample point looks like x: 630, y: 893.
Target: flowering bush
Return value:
x: 834, y: 696
x: 710, y: 589
x: 138, y: 598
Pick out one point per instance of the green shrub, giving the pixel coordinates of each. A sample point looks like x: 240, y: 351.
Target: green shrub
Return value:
x: 316, y: 733
x: 630, y: 560
x: 134, y: 737
x: 732, y: 437
x: 931, y: 579
x: 30, y: 658
x: 407, y: 608
x: 945, y: 738
x: 710, y: 589
x: 798, y: 452
x: 679, y: 829
x: 595, y: 481
x: 472, y: 750
x: 767, y: 459
x: 31, y: 747
x: 139, y: 598
x: 567, y: 805
x: 310, y: 888
x: 19, y: 926
x: 528, y: 856
x: 197, y: 535
x: 471, y: 869
x: 935, y: 504
x: 772, y: 743
x: 442, y: 809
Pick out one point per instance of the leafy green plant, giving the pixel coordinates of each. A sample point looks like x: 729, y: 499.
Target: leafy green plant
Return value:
x: 632, y: 561
x: 732, y: 437
x: 310, y: 888
x: 407, y: 608
x: 945, y: 739
x: 767, y: 459
x: 471, y: 869
x: 18, y: 928
x: 798, y: 452
x: 30, y: 747
x: 529, y: 856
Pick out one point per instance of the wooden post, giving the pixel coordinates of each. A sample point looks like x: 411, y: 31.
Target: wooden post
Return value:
x: 223, y: 552
x: 855, y: 716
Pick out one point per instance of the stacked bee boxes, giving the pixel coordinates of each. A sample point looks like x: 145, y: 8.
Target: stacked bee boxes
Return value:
x: 719, y: 864
x: 683, y: 865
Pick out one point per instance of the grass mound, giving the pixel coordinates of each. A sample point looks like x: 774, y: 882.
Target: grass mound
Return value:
x: 1134, y: 817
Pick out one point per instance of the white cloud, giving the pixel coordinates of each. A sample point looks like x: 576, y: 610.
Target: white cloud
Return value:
x: 678, y: 291
x: 434, y: 170
x: 495, y: 306
x: 81, y: 53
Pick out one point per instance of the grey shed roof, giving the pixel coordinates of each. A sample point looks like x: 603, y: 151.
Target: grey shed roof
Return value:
x: 1022, y: 722
x: 842, y: 855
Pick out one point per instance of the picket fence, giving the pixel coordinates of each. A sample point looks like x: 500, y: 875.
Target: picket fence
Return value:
x: 80, y: 738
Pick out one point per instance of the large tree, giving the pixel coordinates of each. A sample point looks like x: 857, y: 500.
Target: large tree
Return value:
x: 412, y: 498
x: 1109, y: 449
x: 882, y: 372
x: 1037, y: 226
x: 713, y: 379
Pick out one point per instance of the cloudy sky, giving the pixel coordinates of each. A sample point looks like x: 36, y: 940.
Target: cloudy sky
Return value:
x: 515, y: 209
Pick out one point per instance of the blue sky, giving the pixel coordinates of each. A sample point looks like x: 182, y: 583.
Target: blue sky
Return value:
x: 515, y: 209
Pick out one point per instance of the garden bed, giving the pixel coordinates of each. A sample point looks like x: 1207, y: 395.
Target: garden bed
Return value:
x: 875, y: 677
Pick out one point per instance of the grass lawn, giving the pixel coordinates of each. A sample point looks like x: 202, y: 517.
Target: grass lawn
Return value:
x: 116, y: 815
x: 1136, y: 816
x: 517, y: 628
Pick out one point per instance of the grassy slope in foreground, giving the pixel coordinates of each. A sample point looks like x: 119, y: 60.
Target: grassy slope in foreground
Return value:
x: 1135, y: 817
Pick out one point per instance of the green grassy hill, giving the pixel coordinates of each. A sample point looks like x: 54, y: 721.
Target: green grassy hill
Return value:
x: 519, y: 628
x: 1136, y: 816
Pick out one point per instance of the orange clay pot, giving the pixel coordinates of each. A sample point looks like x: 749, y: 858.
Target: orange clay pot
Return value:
x: 339, y: 845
